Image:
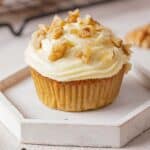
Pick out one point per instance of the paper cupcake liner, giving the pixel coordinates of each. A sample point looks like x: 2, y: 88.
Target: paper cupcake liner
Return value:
x: 77, y: 95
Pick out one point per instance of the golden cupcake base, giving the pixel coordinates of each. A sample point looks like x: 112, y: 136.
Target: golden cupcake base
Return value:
x: 77, y: 95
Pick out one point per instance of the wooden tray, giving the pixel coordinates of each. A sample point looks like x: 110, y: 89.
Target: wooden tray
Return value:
x: 32, y: 122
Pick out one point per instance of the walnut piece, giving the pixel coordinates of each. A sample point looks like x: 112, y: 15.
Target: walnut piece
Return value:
x: 88, y: 20
x: 85, y: 55
x: 57, y: 21
x: 57, y: 32
x: 88, y: 27
x: 117, y: 42
x: 43, y: 28
x: 73, y: 16
x: 86, y: 31
x: 56, y: 28
x: 146, y: 42
x: 140, y: 36
x: 126, y: 49
x: 59, y: 50
x: 38, y: 36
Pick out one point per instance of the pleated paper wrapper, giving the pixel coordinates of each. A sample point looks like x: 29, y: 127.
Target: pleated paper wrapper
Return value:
x: 77, y: 95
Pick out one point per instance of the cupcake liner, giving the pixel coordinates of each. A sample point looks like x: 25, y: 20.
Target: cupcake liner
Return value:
x: 77, y: 95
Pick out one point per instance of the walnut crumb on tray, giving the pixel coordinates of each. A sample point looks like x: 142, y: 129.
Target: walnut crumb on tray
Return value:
x: 139, y: 36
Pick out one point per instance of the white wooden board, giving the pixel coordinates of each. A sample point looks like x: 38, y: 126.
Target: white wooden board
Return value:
x: 113, y: 126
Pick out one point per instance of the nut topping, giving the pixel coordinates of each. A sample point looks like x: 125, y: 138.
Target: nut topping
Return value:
x: 126, y: 49
x: 58, y: 34
x: 59, y: 50
x: 73, y: 16
x: 86, y: 31
x: 118, y: 42
x: 140, y: 36
x: 85, y: 55
x: 39, y: 35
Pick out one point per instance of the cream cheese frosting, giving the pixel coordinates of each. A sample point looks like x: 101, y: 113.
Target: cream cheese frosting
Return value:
x: 106, y: 58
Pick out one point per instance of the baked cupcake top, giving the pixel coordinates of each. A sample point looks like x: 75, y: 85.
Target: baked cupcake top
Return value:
x: 140, y: 36
x: 76, y: 49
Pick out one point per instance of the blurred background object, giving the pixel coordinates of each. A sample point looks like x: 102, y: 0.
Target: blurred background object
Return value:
x: 15, y: 14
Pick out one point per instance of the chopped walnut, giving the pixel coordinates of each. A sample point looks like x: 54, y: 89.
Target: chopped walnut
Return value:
x: 88, y: 20
x: 139, y: 36
x: 56, y: 22
x: 37, y: 37
x: 85, y: 55
x: 57, y: 32
x: 126, y: 49
x: 43, y: 28
x: 118, y: 42
x: 146, y: 42
x: 99, y: 27
x: 56, y: 28
x: 36, y: 43
x: 59, y: 50
x: 86, y: 31
x: 73, y: 16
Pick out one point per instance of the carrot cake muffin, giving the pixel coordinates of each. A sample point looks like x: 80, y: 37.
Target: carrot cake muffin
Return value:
x: 77, y: 64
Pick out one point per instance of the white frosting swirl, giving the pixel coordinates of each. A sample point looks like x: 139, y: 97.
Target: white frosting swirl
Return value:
x: 106, y: 59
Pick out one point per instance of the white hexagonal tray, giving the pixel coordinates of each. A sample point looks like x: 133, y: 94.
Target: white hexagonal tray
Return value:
x: 32, y: 122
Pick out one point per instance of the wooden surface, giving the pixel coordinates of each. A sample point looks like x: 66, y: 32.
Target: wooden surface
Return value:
x: 119, y: 15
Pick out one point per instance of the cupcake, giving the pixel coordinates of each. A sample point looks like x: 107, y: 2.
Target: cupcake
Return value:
x: 77, y: 64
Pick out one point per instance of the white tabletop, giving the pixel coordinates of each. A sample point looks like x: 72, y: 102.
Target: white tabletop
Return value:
x: 121, y: 16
